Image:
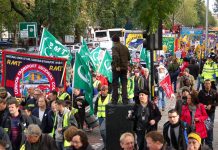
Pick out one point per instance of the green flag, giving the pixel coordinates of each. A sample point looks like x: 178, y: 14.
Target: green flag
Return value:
x: 105, y: 66
x: 143, y: 54
x: 94, y: 55
x: 83, y: 79
x: 85, y: 54
x: 50, y: 46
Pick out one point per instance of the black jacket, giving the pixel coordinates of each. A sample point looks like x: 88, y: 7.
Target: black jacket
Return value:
x: 182, y: 141
x: 44, y: 122
x: 3, y: 116
x: 23, y: 123
x: 151, y: 112
x: 46, y: 143
x: 4, y: 137
x: 194, y: 70
x: 209, y: 98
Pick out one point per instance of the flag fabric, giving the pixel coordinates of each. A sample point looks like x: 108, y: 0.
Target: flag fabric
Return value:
x: 105, y: 66
x: 50, y: 46
x: 167, y: 86
x: 95, y: 56
x: 86, y: 56
x: 83, y: 79
x: 145, y: 56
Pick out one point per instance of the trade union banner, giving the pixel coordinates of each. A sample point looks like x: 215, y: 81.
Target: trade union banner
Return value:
x: 167, y: 86
x: 21, y: 71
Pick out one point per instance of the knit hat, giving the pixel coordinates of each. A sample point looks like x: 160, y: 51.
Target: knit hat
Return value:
x: 33, y: 129
x: 195, y: 136
x: 115, y: 38
x: 144, y: 91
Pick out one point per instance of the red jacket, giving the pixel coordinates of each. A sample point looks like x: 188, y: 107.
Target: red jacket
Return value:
x: 201, y: 114
x: 102, y: 79
x: 183, y: 67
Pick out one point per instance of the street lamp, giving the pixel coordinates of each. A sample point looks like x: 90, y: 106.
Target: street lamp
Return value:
x: 207, y: 9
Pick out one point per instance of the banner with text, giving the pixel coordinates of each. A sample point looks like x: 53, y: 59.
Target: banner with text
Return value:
x: 133, y: 40
x: 168, y: 44
x: 21, y: 71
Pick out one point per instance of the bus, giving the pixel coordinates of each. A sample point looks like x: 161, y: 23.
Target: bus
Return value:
x: 104, y: 37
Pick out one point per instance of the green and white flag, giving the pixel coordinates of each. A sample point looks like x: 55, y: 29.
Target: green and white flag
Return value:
x: 94, y: 55
x: 145, y: 56
x: 85, y: 54
x: 50, y: 46
x: 83, y: 79
x: 105, y: 66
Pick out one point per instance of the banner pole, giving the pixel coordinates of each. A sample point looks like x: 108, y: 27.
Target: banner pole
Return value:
x: 65, y: 65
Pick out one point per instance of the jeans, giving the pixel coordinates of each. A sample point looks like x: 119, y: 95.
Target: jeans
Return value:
x: 209, y: 139
x: 60, y: 145
x: 122, y: 75
x: 161, y: 102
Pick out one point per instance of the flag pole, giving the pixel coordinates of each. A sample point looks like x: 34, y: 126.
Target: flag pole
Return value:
x: 65, y: 65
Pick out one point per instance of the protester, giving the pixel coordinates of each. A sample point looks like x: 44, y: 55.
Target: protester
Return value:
x: 194, y: 68
x: 15, y: 124
x: 29, y: 101
x: 127, y: 141
x: 52, y: 96
x: 51, y: 116
x: 5, y: 141
x: 209, y: 98
x: 36, y: 140
x: 194, y: 114
x: 146, y: 116
x: 183, y: 100
x: 174, y: 71
x: 4, y: 94
x: 80, y: 141
x: 162, y: 73
x: 175, y: 131
x: 80, y: 104
x: 136, y: 85
x: 187, y: 80
x: 63, y: 119
x: 120, y: 59
x: 100, y: 108
x: 41, y: 112
x: 4, y: 112
x: 155, y: 140
x: 62, y: 94
x: 70, y: 132
x: 34, y: 119
x: 144, y: 80
x: 194, y: 142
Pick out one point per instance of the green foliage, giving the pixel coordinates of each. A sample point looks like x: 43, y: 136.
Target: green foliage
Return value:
x: 186, y: 14
x: 150, y: 12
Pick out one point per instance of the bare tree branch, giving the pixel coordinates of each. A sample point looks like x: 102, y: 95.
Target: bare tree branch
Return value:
x: 18, y: 10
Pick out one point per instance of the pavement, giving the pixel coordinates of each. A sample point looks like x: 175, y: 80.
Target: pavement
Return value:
x: 96, y: 140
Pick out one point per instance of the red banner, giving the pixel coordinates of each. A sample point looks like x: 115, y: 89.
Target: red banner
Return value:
x: 167, y: 86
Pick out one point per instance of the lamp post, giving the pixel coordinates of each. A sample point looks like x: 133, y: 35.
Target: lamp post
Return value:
x: 207, y: 9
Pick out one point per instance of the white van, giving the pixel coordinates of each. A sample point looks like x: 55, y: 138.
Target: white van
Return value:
x: 104, y: 37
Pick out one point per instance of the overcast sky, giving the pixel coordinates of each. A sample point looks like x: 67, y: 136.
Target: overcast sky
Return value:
x: 211, y: 3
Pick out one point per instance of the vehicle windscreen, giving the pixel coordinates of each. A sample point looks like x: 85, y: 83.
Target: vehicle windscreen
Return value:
x: 100, y: 34
x: 118, y: 33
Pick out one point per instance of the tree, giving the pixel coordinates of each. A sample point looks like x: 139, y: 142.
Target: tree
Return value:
x: 186, y: 14
x: 149, y: 12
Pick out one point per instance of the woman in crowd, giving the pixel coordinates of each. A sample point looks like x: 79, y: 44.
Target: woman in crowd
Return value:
x: 79, y: 141
x: 194, y: 114
x: 194, y: 142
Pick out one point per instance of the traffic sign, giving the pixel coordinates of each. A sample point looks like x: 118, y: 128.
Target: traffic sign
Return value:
x: 28, y: 29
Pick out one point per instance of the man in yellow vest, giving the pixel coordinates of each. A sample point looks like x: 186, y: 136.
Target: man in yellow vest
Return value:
x: 63, y: 119
x: 100, y: 109
x: 210, y: 70
x: 62, y: 94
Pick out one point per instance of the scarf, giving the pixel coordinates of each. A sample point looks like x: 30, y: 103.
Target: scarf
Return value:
x: 173, y: 135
